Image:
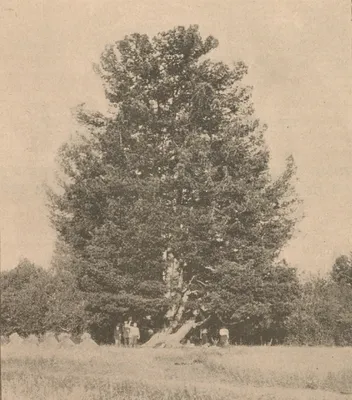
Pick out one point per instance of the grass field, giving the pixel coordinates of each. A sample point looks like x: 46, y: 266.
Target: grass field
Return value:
x: 246, y: 373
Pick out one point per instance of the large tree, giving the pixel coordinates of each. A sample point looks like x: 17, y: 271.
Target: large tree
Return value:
x: 164, y: 196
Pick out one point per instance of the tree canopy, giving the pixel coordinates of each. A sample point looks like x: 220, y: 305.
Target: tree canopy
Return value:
x: 177, y: 171
x: 34, y: 300
x: 342, y: 270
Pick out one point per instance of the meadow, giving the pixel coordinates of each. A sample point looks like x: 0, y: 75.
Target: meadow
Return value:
x: 248, y: 373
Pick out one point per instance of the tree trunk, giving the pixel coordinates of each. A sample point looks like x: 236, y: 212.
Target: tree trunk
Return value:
x: 167, y: 339
x: 173, y: 277
x: 178, y: 292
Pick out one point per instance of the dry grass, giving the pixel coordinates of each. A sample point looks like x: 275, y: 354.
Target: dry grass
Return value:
x: 246, y: 373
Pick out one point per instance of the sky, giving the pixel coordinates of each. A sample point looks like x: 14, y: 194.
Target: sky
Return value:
x: 299, y: 58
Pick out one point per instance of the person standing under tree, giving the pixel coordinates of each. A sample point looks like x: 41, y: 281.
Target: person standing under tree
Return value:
x: 118, y: 335
x: 126, y: 334
x: 224, y: 336
x: 135, y: 335
x: 204, y: 336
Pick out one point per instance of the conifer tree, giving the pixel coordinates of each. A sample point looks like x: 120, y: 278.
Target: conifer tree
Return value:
x: 170, y: 191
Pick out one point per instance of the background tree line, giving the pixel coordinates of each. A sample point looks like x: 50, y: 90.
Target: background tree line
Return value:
x: 34, y: 300
x: 166, y: 208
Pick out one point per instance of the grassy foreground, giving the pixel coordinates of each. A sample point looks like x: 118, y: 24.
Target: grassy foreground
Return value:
x: 106, y: 373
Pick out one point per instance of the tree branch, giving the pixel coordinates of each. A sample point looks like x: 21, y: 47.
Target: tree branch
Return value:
x: 203, y: 322
x: 202, y: 283
x: 64, y: 329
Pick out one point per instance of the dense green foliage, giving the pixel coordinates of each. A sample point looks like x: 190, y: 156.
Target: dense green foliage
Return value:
x: 342, y: 270
x: 34, y: 300
x: 272, y: 306
x: 257, y: 301
x: 323, y: 312
x: 178, y: 163
x: 23, y: 300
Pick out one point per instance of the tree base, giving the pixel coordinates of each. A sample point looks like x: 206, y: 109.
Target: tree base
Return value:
x: 167, y: 339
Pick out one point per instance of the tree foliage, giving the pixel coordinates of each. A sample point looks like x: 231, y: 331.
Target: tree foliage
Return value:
x: 34, y: 301
x: 23, y: 299
x: 257, y: 300
x: 322, y: 314
x: 179, y: 162
x: 342, y: 270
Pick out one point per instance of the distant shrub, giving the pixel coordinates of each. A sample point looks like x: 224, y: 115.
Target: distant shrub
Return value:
x: 322, y: 315
x: 34, y: 301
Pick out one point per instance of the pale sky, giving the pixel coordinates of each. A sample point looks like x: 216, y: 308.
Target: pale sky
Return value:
x: 299, y: 58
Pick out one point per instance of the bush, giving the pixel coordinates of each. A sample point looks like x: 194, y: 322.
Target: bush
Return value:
x: 34, y: 301
x: 322, y: 315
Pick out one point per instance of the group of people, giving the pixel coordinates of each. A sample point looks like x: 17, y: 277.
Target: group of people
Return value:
x: 223, y: 340
x: 128, y: 334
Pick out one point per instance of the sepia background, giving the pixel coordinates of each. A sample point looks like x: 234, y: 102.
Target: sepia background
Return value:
x: 299, y: 58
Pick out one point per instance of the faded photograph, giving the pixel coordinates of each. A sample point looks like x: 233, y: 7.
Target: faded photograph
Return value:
x: 176, y: 202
